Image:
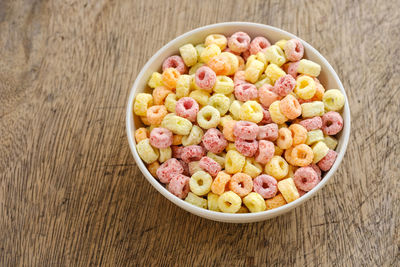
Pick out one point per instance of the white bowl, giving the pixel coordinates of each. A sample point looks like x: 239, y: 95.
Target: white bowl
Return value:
x: 328, y: 78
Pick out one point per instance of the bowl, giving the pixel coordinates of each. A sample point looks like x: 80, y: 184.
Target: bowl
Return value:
x: 328, y: 78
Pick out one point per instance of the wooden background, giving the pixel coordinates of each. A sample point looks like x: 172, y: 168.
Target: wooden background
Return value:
x: 70, y: 192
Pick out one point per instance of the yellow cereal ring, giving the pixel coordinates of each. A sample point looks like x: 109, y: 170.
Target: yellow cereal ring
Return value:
x: 312, y: 109
x: 333, y: 100
x: 183, y: 86
x: 251, y: 111
x: 142, y: 102
x: 288, y: 190
x: 155, y: 80
x: 305, y: 87
x: 254, y: 202
x: 146, y: 152
x: 229, y: 202
x: 188, y: 54
x: 200, y: 183
x: 234, y: 162
x: 320, y: 149
x: 196, y: 200
x: 223, y: 85
x: 212, y: 201
x: 277, y: 167
x: 309, y: 67
x: 276, y: 114
x: 176, y: 124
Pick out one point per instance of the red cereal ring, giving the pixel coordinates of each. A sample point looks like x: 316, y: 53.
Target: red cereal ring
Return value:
x: 175, y: 62
x: 161, y: 137
x: 185, y: 167
x: 312, y: 123
x: 246, y: 147
x: 266, y: 96
x: 187, y: 108
x: 246, y: 130
x: 209, y: 165
x: 291, y: 68
x: 284, y: 85
x: 301, y: 192
x: 230, y: 51
x: 246, y: 91
x: 332, y: 123
x: 294, y: 50
x: 192, y: 153
x: 268, y: 132
x: 326, y: 162
x: 205, y: 78
x: 179, y: 185
x: 241, y: 184
x: 177, y: 151
x: 246, y: 54
x: 259, y: 44
x: 167, y: 169
x: 266, y: 116
x: 239, y: 42
x: 266, y: 150
x: 316, y: 169
x: 305, y: 178
x: 265, y: 185
x: 214, y: 141
x: 239, y: 78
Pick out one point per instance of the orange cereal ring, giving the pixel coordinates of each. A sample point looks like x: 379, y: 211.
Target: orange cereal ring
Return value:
x: 159, y: 94
x: 220, y: 182
x: 299, y: 134
x: 242, y: 65
x: 228, y: 130
x: 145, y: 120
x: 141, y: 134
x: 176, y: 139
x: 155, y: 114
x: 153, y: 168
x: 290, y: 107
x: 288, y: 155
x: 241, y: 184
x: 285, y: 139
x: 220, y: 65
x: 319, y: 93
x: 302, y: 155
x: 170, y: 77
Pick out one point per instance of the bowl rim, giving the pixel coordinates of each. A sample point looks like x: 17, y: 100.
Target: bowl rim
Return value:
x: 241, y: 217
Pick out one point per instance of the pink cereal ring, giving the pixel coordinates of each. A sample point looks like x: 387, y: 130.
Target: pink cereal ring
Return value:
x: 291, y: 68
x: 238, y: 78
x: 284, y: 85
x: 205, y: 78
x: 214, y: 141
x: 241, y: 184
x: 192, y: 153
x: 246, y: 54
x: 266, y: 116
x: 266, y: 96
x: 326, y: 162
x: 177, y: 151
x: 268, y: 132
x: 259, y: 44
x: 175, y: 62
x: 179, y: 185
x: 210, y: 166
x: 316, y: 169
x: 246, y: 147
x: 230, y: 51
x: 266, y: 150
x: 301, y: 192
x: 305, y: 178
x: 167, y: 169
x: 187, y: 108
x: 332, y: 123
x: 246, y: 130
x: 312, y: 123
x: 161, y: 137
x: 294, y: 50
x: 265, y: 185
x: 246, y: 91
x: 185, y: 167
x: 239, y: 42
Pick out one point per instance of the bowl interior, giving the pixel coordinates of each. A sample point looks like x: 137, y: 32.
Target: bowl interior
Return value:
x: 328, y: 78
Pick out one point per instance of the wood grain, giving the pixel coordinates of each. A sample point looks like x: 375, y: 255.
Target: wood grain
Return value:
x: 70, y: 192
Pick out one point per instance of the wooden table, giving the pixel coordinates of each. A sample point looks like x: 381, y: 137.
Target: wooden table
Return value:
x: 70, y: 192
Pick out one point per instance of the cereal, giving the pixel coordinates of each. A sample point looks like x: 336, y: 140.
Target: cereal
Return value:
x: 299, y: 134
x: 284, y: 85
x: 142, y: 102
x: 305, y: 178
x: 196, y: 200
x: 266, y: 186
x: 228, y: 130
x: 268, y: 132
x: 188, y: 54
x: 330, y: 141
x: 266, y: 150
x: 223, y: 85
x: 155, y: 114
x: 194, y: 166
x: 239, y: 42
x: 326, y: 162
x: 275, y: 202
x: 214, y: 141
x: 275, y: 55
x: 179, y: 185
x: 210, y: 166
x: 252, y: 168
x: 309, y: 67
x: 141, y: 134
x: 201, y: 96
x: 294, y: 50
x: 177, y: 151
x: 314, y: 136
x: 288, y: 190
x: 217, y: 39
x: 276, y: 114
x: 245, y: 130
x: 241, y: 184
x: 220, y: 65
x: 170, y: 102
x: 175, y: 62
x: 220, y: 183
x: 153, y: 168
x: 229, y: 202
x: 146, y: 152
x: 183, y: 86
x: 246, y: 147
x: 220, y: 102
x: 200, y: 183
x: 166, y: 170
x: 187, y: 108
x: 192, y: 153
x: 332, y: 123
x: 301, y: 155
x: 254, y: 70
x: 234, y: 109
x: 205, y: 78
x: 165, y: 154
x: 246, y: 91
x: 290, y: 107
x: 277, y: 167
x: 312, y: 123
x: 170, y: 77
x: 274, y: 72
x: 212, y: 201
x: 194, y: 138
x: 209, y: 52
x: 285, y: 139
x: 259, y: 44
x: 234, y: 162
x: 312, y: 109
x: 176, y: 124
x: 267, y: 97
x: 254, y: 202
x: 208, y: 117
x: 333, y: 100
x: 320, y: 150
x: 291, y: 68
x: 251, y: 111
x: 305, y: 87
x: 266, y: 116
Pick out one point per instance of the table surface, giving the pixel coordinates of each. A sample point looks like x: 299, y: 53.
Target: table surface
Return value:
x: 70, y: 192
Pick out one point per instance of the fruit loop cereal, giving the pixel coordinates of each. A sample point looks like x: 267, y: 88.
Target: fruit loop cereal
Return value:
x: 238, y: 125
